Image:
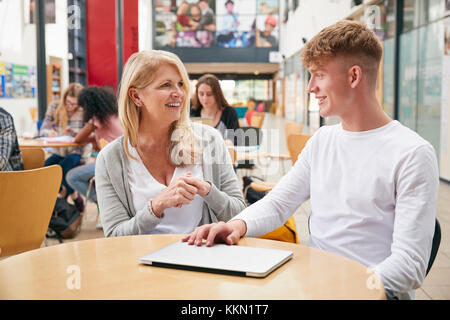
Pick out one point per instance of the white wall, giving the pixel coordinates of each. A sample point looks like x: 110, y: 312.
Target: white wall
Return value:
x: 145, y: 25
x: 18, y: 46
x: 309, y: 18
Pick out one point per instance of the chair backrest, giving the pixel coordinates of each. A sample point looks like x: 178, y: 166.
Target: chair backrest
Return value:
x: 257, y: 119
x: 435, y: 245
x: 295, y: 144
x: 292, y: 128
x: 103, y: 143
x: 207, y: 121
x: 240, y: 111
x: 233, y: 155
x: 27, y: 199
x: 33, y: 158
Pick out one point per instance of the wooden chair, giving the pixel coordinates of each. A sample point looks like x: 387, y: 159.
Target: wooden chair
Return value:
x: 257, y: 119
x: 103, y: 143
x: 33, y: 158
x: 209, y: 122
x: 289, y: 129
x: 233, y: 155
x: 295, y: 144
x: 27, y: 199
x: 292, y: 128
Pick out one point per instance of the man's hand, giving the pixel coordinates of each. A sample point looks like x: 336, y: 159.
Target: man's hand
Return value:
x: 229, y: 232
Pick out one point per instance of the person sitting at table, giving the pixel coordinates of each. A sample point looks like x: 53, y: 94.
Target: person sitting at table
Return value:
x: 209, y: 102
x: 102, y: 122
x: 250, y: 111
x: 10, y: 155
x: 165, y: 174
x: 372, y: 182
x: 60, y: 117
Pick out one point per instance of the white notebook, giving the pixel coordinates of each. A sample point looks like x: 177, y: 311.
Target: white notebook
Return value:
x: 219, y: 258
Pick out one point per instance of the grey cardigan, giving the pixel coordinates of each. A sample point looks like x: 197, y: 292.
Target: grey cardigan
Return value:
x: 117, y: 212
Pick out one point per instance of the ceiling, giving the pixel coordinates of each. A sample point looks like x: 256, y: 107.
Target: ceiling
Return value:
x: 233, y: 68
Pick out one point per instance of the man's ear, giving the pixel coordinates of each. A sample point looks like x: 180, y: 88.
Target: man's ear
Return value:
x: 133, y: 94
x: 355, y: 76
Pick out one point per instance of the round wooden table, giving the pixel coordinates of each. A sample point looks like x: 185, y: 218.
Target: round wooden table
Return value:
x: 109, y: 269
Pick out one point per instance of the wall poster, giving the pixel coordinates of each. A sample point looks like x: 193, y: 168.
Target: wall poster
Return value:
x: 17, y: 81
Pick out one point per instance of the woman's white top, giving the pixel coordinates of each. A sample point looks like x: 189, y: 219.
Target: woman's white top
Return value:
x: 144, y: 188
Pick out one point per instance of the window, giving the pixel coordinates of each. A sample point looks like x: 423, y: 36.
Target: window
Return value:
x: 388, y: 77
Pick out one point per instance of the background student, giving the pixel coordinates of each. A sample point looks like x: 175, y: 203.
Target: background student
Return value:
x: 102, y: 122
x: 209, y: 102
x: 60, y: 117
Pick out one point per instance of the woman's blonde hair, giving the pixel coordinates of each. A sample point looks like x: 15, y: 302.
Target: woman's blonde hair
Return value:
x: 60, y: 117
x: 139, y: 71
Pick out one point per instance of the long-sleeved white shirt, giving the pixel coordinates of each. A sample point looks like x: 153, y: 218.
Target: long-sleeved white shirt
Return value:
x: 373, y: 199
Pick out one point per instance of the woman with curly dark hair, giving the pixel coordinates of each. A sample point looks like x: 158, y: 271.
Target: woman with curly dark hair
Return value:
x: 102, y: 122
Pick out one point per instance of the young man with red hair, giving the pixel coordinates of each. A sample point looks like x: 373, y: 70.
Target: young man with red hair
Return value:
x: 372, y: 182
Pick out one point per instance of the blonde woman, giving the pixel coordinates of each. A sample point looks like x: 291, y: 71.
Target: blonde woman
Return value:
x: 165, y: 174
x: 63, y: 118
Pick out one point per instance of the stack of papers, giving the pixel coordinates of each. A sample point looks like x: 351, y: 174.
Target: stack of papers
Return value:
x: 59, y: 139
x: 246, y: 148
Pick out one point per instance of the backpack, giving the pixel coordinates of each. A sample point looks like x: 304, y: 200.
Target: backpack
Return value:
x: 287, y: 232
x: 65, y: 221
x: 252, y: 195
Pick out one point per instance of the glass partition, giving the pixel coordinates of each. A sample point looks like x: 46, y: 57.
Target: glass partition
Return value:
x: 429, y: 82
x: 388, y: 77
x: 407, y: 85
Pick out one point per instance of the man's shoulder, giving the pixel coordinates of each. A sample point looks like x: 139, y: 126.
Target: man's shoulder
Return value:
x: 327, y: 131
x: 6, y: 120
x: 5, y: 114
x: 406, y: 137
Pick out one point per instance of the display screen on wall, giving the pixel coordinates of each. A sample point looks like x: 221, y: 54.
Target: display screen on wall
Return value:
x: 223, y: 24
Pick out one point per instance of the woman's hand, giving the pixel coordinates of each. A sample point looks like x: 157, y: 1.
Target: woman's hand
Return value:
x: 180, y: 192
x: 52, y: 133
x: 202, y: 186
x: 71, y: 132
x: 177, y: 193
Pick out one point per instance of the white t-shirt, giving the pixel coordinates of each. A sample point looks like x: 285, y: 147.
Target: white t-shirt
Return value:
x: 144, y: 187
x: 373, y: 199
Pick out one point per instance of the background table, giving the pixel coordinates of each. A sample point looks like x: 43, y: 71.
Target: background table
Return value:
x: 36, y: 143
x: 109, y: 269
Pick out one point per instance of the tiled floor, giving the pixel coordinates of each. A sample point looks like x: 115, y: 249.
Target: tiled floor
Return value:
x: 436, y: 284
